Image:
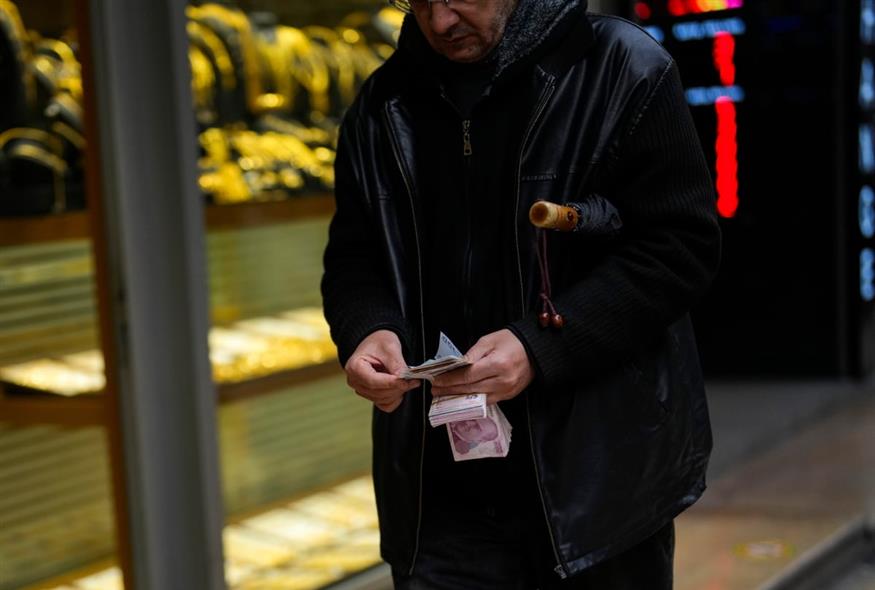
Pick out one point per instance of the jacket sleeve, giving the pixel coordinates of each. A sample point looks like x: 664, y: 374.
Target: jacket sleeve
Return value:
x: 668, y: 256
x: 355, y: 290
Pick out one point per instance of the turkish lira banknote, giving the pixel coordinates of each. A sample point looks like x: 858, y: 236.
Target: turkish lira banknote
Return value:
x: 480, y: 438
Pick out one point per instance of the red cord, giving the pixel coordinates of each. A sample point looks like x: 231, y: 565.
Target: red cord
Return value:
x: 549, y: 316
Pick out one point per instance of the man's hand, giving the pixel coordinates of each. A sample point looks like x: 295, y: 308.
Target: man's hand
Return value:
x: 373, y: 370
x: 500, y: 368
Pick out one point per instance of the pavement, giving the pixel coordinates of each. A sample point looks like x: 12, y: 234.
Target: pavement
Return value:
x: 793, y: 474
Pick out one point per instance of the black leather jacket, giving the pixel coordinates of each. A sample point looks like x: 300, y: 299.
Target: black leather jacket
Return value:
x: 618, y: 421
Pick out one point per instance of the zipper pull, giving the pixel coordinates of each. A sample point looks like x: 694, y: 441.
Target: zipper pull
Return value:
x: 466, y: 138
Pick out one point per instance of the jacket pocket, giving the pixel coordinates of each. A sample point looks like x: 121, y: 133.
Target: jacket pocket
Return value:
x: 648, y: 378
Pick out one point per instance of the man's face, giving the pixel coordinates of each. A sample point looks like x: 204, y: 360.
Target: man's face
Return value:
x: 466, y: 30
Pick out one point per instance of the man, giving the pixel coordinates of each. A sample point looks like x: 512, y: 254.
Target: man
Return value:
x: 487, y: 106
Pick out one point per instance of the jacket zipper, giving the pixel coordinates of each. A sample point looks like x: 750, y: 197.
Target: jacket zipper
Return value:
x: 466, y: 138
x: 467, y: 152
x: 396, y: 151
x: 560, y: 568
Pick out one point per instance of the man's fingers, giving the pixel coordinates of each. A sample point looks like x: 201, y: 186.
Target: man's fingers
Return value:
x: 487, y: 385
x: 481, y: 348
x: 395, y: 363
x: 479, y: 371
x: 361, y: 373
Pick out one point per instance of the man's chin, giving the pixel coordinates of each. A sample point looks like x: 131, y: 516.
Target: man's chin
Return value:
x: 464, y: 54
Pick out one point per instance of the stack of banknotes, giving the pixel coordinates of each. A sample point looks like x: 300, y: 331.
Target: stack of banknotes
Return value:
x: 476, y: 430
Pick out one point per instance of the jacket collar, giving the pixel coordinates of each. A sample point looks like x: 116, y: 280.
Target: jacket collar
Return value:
x: 553, y: 33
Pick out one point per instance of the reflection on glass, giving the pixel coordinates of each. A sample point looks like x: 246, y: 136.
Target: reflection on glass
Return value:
x: 270, y: 87
x: 56, y: 505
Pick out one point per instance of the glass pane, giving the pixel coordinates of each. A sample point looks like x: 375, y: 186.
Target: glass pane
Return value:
x: 271, y: 81
x: 56, y: 504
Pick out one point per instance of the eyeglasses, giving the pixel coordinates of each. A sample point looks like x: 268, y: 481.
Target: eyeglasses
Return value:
x: 407, y: 6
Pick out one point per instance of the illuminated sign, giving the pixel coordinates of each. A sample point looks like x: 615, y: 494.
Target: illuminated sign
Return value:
x: 685, y: 7
x: 867, y: 22
x: 696, y: 30
x: 867, y: 84
x: 721, y: 32
x: 866, y: 152
x: 867, y: 274
x: 783, y: 98
x: 867, y: 212
x: 866, y: 149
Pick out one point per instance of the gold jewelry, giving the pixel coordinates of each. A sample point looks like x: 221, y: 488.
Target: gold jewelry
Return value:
x: 226, y: 184
x: 30, y: 134
x: 216, y: 48
x: 38, y: 154
x: 66, y: 103
x: 54, y: 163
x: 239, y: 23
x: 309, y: 66
x: 67, y: 73
x: 10, y: 15
x: 46, y: 69
x: 74, y: 137
x: 203, y: 84
x: 215, y: 144
x: 339, y: 56
x: 51, y: 159
x: 278, y: 72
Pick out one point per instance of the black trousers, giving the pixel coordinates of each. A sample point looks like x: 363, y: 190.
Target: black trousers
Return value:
x: 494, y: 549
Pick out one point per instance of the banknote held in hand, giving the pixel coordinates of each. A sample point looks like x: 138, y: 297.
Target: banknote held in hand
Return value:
x: 475, y: 430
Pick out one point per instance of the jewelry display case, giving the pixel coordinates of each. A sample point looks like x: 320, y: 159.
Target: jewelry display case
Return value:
x: 270, y: 83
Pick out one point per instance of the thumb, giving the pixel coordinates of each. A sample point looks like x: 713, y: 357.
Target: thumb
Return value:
x: 394, y: 360
x: 481, y: 348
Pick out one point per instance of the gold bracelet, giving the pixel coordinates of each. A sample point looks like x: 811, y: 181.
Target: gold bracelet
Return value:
x: 46, y: 69
x: 279, y: 72
x: 239, y: 22
x: 61, y: 49
x: 216, y: 48
x: 74, y: 137
x: 38, y: 154
x: 203, y: 80
x: 308, y: 67
x: 30, y: 134
x: 67, y: 72
x: 57, y: 165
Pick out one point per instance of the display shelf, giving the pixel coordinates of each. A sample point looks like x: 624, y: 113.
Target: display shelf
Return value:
x: 70, y: 577
x: 258, y: 213
x: 232, y: 392
x: 21, y: 406
x: 17, y: 231
x: 326, y: 538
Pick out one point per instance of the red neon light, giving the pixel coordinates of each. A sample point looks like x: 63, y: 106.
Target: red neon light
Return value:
x: 684, y: 7
x: 726, y: 147
x: 643, y: 11
x: 724, y: 58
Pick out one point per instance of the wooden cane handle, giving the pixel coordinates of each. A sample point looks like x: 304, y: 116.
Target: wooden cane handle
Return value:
x: 547, y: 215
